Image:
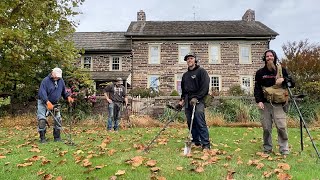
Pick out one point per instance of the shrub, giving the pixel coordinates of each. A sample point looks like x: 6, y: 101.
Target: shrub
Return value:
x: 145, y: 92
x: 174, y: 93
x: 236, y: 90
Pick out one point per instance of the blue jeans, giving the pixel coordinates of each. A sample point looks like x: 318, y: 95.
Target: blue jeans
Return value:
x: 114, y: 110
x: 199, y: 131
x: 41, y: 115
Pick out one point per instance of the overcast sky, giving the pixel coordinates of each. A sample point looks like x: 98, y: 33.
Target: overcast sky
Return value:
x: 294, y: 20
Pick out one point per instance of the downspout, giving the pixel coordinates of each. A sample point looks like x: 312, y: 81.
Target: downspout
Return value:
x: 131, y: 63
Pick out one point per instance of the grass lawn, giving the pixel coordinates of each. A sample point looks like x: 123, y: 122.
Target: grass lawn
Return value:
x: 236, y: 154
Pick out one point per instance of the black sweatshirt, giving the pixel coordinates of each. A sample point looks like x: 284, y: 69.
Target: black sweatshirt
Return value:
x: 195, y: 83
x: 266, y: 78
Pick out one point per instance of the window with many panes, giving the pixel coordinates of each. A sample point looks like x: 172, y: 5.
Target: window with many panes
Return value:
x: 153, y: 82
x: 246, y: 84
x: 87, y: 62
x: 154, y: 53
x: 115, y: 64
x: 214, y: 54
x: 245, y: 54
x: 215, y: 84
x: 184, y: 49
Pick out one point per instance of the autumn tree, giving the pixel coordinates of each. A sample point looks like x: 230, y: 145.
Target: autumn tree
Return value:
x: 303, y: 62
x: 34, y: 39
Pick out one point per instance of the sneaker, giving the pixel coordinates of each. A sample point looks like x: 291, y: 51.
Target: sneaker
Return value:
x: 285, y: 152
x: 57, y: 140
x: 196, y: 143
x: 43, y: 141
x: 267, y: 151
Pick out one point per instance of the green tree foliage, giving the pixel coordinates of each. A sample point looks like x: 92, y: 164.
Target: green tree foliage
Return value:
x: 34, y: 39
x: 303, y: 62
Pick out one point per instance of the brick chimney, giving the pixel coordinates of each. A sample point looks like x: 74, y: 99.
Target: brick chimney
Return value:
x: 141, y: 16
x: 249, y: 15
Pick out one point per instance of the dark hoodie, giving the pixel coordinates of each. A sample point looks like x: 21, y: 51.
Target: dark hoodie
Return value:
x: 195, y: 84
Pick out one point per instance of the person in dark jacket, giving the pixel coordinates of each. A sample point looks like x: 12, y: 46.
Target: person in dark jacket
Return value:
x: 51, y: 89
x: 270, y: 111
x: 195, y: 86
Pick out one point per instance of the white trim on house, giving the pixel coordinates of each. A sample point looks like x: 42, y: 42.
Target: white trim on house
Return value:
x: 154, y: 50
x: 87, y: 61
x: 245, y: 56
x: 213, y: 87
x: 183, y: 52
x: 214, y: 52
x: 115, y: 64
x: 244, y: 80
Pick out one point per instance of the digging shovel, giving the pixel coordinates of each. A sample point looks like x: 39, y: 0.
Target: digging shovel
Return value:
x: 187, y: 147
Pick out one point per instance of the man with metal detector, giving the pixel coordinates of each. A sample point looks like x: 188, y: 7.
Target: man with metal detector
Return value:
x: 116, y: 96
x: 195, y: 87
x: 51, y: 89
x: 271, y: 96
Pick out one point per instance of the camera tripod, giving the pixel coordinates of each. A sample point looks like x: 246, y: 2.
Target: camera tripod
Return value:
x: 302, y: 122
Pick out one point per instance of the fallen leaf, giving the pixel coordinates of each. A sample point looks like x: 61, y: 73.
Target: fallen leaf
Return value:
x: 86, y: 163
x: 155, y: 169
x: 2, y: 157
x: 40, y: 173
x: 47, y: 177
x: 62, y: 161
x: 62, y: 153
x: 25, y: 164
x: 267, y: 174
x: 45, y: 161
x: 151, y: 163
x: 284, y: 176
x: 259, y: 165
x: 199, y: 170
x: 113, y: 178
x: 179, y: 168
x: 284, y: 166
x: 120, y: 172
x: 99, y: 167
x: 230, y: 175
x: 59, y: 178
x: 35, y: 150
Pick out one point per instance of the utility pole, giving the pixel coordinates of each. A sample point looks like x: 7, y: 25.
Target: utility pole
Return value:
x: 194, y: 12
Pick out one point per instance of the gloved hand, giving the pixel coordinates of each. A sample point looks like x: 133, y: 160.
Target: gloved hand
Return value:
x: 70, y: 99
x: 178, y: 107
x: 49, y: 105
x: 194, y: 101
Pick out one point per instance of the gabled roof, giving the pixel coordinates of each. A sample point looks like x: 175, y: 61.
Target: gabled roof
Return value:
x: 101, y: 41
x: 237, y: 28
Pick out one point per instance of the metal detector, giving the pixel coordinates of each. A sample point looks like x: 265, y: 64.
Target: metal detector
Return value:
x: 165, y: 126
x: 187, y: 147
x: 56, y: 108
x: 302, y: 122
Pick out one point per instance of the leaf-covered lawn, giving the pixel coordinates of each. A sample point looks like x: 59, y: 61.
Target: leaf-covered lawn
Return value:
x: 236, y: 154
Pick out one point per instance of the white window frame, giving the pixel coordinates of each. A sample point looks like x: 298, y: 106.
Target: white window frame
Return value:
x: 156, y: 59
x: 83, y: 64
x: 217, y: 55
x: 182, y: 53
x: 247, y: 56
x: 250, y: 77
x: 157, y: 82
x: 177, y: 78
x: 211, y: 87
x: 111, y: 63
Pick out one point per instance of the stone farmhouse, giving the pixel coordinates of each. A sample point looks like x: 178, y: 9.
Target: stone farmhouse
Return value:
x: 150, y: 53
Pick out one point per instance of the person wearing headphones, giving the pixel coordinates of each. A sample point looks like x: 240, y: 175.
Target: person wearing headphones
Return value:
x: 268, y: 76
x: 195, y: 86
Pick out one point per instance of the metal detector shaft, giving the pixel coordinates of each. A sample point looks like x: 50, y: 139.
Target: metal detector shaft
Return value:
x: 69, y: 135
x: 165, y: 126
x: 302, y: 123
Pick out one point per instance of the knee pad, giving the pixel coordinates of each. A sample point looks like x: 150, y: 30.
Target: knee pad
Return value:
x: 42, y: 124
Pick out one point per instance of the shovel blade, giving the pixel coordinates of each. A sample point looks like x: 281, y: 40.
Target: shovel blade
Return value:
x: 187, y: 148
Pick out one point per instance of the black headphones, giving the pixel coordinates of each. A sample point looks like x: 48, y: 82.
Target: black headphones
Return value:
x: 192, y: 55
x: 274, y: 55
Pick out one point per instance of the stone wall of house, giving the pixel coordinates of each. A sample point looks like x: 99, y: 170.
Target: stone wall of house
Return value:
x: 229, y: 69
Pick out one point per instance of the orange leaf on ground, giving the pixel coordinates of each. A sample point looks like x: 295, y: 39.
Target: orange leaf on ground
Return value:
x: 62, y: 153
x: 155, y: 169
x: 2, y: 157
x: 267, y: 174
x: 151, y: 163
x: 113, y: 178
x: 35, y: 150
x: 284, y: 176
x: 59, y: 178
x: 24, y: 164
x: 230, y: 175
x: 40, y: 173
x: 199, y: 170
x: 45, y: 161
x: 86, y: 163
x: 47, y: 177
x: 179, y: 168
x: 135, y: 161
x: 284, y: 166
x: 120, y: 172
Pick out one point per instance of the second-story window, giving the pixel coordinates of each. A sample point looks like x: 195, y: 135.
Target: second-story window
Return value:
x: 245, y: 54
x: 115, y: 63
x: 214, y: 54
x: 183, y: 51
x: 154, y: 54
x: 153, y: 82
x: 87, y: 62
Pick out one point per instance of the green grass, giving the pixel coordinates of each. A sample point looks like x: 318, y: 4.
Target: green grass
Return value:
x: 233, y: 146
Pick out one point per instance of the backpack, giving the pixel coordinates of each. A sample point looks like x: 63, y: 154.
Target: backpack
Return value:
x: 275, y: 93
